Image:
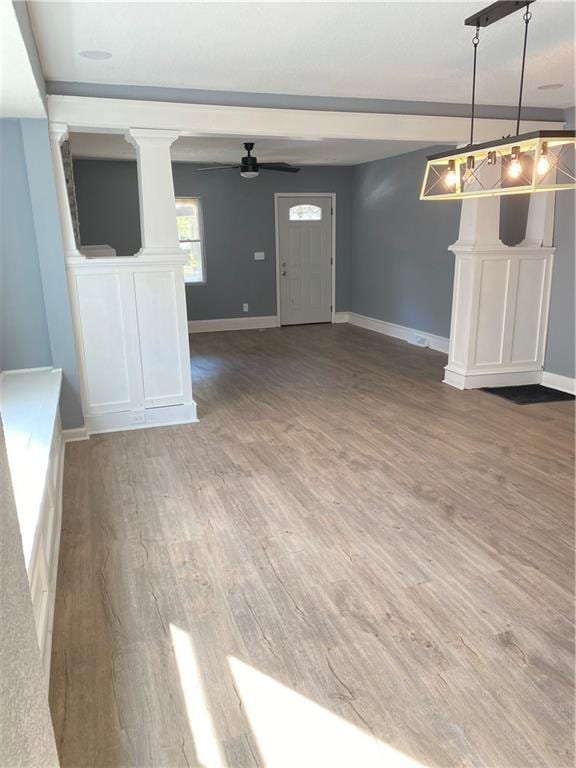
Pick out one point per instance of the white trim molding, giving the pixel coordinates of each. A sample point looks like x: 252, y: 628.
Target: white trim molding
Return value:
x: 341, y: 317
x: 73, y: 435
x: 411, y: 335
x: 556, y: 381
x: 233, y: 324
x: 124, y: 421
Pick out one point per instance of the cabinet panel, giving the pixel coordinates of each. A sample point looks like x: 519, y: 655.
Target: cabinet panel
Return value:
x: 159, y: 334
x: 527, y: 320
x: 104, y: 349
x: 493, y: 294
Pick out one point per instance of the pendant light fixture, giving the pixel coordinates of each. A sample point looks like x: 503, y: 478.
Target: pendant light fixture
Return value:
x: 541, y: 161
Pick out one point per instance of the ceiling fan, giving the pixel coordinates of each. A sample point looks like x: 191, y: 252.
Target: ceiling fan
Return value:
x: 250, y: 167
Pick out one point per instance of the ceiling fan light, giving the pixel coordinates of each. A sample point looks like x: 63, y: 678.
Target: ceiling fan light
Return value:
x: 249, y: 174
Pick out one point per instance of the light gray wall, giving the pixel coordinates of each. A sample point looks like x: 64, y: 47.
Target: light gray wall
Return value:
x: 562, y: 321
x: 402, y: 269
x: 238, y: 220
x: 25, y: 341
x: 46, y: 218
x: 26, y: 735
x: 36, y: 325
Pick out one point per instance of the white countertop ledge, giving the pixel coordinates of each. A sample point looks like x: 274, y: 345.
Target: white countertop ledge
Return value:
x: 29, y: 406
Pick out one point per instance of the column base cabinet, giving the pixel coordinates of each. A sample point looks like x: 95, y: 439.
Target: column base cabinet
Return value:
x: 499, y: 316
x: 132, y: 341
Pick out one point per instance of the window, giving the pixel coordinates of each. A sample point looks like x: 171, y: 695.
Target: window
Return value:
x: 305, y: 213
x: 189, y: 225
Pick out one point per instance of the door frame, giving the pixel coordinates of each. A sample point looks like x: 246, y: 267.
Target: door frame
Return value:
x: 277, y: 196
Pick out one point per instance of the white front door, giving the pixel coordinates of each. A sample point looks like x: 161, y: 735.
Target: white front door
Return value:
x: 305, y: 259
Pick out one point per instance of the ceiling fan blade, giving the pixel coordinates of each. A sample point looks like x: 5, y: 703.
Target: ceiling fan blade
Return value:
x: 216, y: 168
x: 284, y: 167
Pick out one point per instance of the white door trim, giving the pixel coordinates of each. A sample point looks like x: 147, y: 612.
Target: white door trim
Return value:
x: 277, y: 196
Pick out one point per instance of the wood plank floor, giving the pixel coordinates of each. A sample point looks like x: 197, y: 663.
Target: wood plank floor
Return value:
x: 345, y: 563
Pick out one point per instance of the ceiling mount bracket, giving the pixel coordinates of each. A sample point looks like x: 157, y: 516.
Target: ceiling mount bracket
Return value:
x: 495, y: 12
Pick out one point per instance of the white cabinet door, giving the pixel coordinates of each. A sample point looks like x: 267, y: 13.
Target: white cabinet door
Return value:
x: 305, y: 259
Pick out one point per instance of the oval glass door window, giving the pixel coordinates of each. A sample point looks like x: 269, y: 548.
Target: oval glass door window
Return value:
x: 305, y: 213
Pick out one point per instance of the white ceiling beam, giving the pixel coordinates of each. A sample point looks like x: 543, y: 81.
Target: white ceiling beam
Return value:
x: 116, y: 115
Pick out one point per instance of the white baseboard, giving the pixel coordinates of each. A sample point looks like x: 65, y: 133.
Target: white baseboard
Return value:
x: 342, y: 317
x: 556, y: 381
x: 439, y: 343
x: 72, y: 435
x: 478, y: 379
x: 232, y: 324
x: 124, y: 421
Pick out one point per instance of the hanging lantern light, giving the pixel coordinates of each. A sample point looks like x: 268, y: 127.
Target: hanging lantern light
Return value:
x: 541, y: 161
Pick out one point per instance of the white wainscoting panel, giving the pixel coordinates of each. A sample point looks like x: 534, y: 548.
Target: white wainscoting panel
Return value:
x: 499, y: 315
x: 131, y: 335
x: 104, y: 339
x: 159, y: 337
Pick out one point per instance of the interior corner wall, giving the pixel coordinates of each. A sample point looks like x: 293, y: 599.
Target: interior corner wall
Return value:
x: 46, y: 218
x: 561, y: 343
x: 26, y: 734
x: 402, y: 271
x: 25, y: 340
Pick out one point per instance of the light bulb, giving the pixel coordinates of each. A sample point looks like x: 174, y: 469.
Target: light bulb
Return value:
x: 515, y: 169
x: 543, y: 163
x: 543, y: 166
x: 249, y: 174
x: 451, y: 177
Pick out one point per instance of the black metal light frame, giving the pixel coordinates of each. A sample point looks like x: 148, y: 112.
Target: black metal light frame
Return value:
x: 544, y: 160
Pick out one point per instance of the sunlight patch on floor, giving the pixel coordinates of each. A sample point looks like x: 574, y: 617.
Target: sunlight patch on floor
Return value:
x: 291, y: 730
x: 197, y: 708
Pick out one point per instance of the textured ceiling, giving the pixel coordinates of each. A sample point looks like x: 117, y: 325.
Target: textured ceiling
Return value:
x: 230, y: 149
x: 389, y: 50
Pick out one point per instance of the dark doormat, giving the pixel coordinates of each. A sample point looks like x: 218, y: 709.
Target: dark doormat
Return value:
x: 528, y: 394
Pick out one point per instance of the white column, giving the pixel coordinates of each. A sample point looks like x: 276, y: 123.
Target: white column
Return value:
x: 501, y: 297
x: 156, y: 191
x: 59, y: 133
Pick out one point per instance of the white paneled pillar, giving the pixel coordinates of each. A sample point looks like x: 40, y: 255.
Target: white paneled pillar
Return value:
x: 501, y: 297
x: 129, y: 312
x: 58, y: 134
x: 156, y: 189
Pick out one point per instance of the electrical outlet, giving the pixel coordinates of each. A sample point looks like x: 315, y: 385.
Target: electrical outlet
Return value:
x: 244, y: 307
x: 259, y: 255
x: 138, y: 418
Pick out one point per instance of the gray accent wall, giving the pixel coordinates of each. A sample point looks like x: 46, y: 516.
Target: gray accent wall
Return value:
x: 402, y: 269
x: 36, y: 324
x: 561, y: 344
x: 238, y: 216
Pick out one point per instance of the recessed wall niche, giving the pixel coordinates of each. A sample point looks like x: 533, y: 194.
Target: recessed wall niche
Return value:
x: 107, y: 224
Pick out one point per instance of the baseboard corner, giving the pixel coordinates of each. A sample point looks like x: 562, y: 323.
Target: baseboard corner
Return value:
x: 559, y: 382
x: 76, y: 434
